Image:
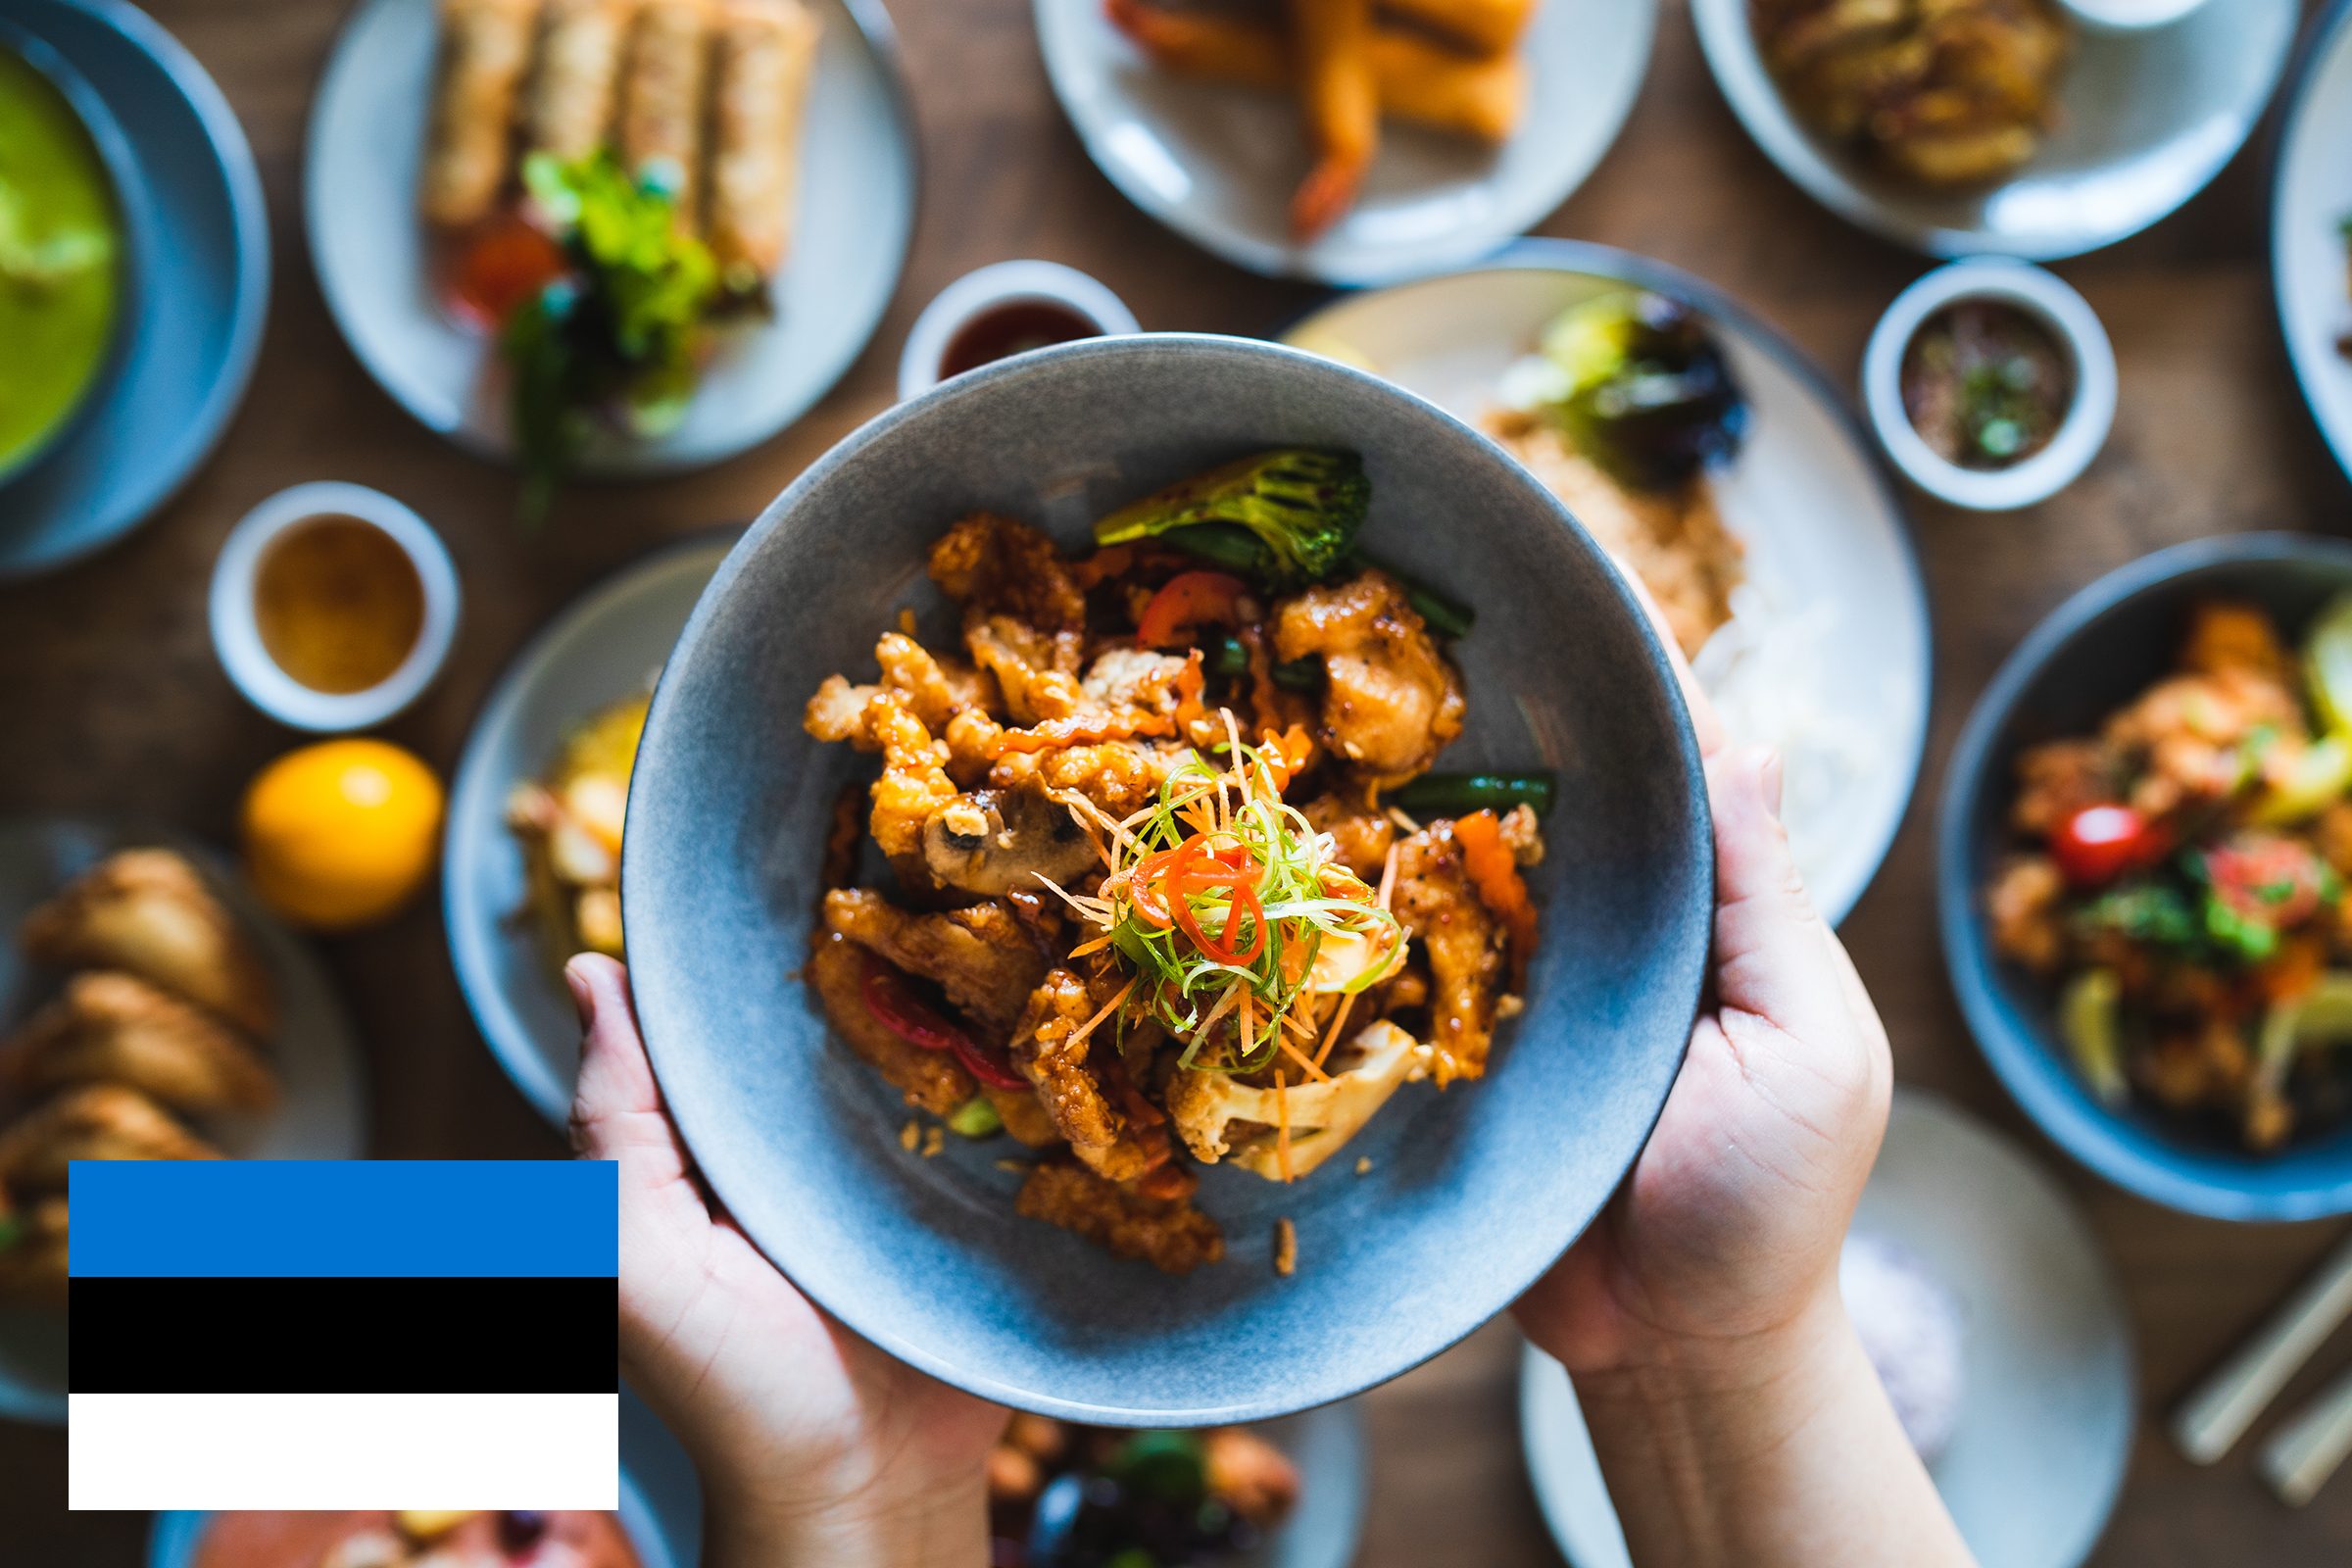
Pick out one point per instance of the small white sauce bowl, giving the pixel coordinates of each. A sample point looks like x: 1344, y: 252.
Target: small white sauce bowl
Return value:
x: 2128, y: 15
x: 2069, y: 320
x: 976, y: 293
x: 237, y: 636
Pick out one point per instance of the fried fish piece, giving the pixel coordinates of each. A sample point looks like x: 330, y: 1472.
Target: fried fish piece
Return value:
x: 149, y: 913
x: 109, y: 1027
x: 33, y: 1253
x: 97, y: 1121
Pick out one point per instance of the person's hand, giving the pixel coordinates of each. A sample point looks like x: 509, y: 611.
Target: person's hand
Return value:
x: 814, y: 1448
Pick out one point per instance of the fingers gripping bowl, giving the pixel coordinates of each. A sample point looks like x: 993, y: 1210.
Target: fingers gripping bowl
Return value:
x: 1468, y: 1194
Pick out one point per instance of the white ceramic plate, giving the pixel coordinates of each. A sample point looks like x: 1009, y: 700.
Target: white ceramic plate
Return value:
x: 2045, y: 1424
x: 1218, y: 164
x: 321, y: 1115
x: 610, y: 642
x: 1829, y: 550
x: 2311, y: 198
x: 855, y: 212
x: 2146, y: 120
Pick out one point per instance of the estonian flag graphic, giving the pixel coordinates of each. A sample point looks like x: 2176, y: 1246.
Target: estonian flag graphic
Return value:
x: 343, y: 1334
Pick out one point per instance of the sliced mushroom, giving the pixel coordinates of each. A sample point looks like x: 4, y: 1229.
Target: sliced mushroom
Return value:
x: 992, y: 841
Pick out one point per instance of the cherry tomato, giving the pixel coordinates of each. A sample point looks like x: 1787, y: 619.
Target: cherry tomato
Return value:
x: 1185, y: 602
x: 500, y: 269
x: 2100, y: 842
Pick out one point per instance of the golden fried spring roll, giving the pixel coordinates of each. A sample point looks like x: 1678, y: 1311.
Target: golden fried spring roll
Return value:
x: 1420, y: 83
x: 766, y: 49
x: 1342, y: 104
x: 662, y: 96
x: 569, y: 106
x: 1488, y: 27
x: 485, y: 49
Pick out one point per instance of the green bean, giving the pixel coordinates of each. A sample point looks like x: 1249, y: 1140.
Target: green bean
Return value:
x: 1452, y: 794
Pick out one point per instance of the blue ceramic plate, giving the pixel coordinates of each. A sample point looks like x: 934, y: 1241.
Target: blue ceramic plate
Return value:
x: 608, y: 644
x: 192, y: 324
x: 2048, y: 1406
x: 2311, y: 197
x: 322, y: 1114
x: 1471, y: 1194
x: 2096, y: 651
x: 853, y: 216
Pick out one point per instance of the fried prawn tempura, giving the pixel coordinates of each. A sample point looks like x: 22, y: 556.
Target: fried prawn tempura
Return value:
x: 1340, y: 100
x: 149, y: 914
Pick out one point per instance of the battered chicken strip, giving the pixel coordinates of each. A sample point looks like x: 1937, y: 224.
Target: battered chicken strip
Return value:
x: 1168, y: 1233
x: 485, y: 49
x: 98, y: 1121
x: 117, y: 1028
x: 991, y: 565
x: 148, y: 912
x: 931, y: 1080
x: 981, y: 956
x: 1392, y: 702
x: 1463, y: 943
x: 33, y: 1253
x: 1049, y: 1051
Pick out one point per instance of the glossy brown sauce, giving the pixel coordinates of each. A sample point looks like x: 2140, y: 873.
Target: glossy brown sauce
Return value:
x: 1013, y: 328
x: 338, y: 604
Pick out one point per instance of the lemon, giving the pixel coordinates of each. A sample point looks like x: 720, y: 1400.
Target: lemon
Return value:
x: 341, y: 834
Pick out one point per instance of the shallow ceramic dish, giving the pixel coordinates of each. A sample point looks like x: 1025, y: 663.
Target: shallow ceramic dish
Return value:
x: 605, y: 645
x: 1472, y: 1194
x: 1218, y: 164
x: 2046, y: 1420
x: 2311, y: 198
x: 855, y: 215
x: 322, y: 1113
x: 192, y: 329
x: 1828, y: 542
x: 2095, y: 653
x: 975, y: 294
x: 2146, y: 120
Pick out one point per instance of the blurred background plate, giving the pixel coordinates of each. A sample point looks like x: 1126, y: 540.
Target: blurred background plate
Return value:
x: 2144, y: 121
x: 1218, y: 164
x: 1843, y: 611
x: 2045, y: 1424
x: 606, y: 644
x: 2311, y: 201
x: 855, y: 216
x: 191, y: 324
x: 322, y: 1114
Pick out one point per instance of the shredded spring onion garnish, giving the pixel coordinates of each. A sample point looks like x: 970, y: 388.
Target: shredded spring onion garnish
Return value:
x: 1222, y: 898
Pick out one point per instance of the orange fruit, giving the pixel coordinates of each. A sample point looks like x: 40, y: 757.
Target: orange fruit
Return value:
x: 341, y: 834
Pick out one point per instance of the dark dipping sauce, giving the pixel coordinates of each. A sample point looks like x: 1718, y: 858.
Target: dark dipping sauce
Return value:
x: 1013, y: 328
x: 1985, y: 385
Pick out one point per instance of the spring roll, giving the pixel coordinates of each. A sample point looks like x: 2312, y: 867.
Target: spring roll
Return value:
x: 661, y: 97
x: 485, y: 49
x: 1419, y: 82
x: 1341, y: 101
x: 765, y: 51
x: 1487, y: 26
x: 569, y: 108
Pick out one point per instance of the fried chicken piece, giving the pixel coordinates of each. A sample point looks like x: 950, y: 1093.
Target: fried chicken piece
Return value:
x: 2025, y: 908
x: 117, y: 1028
x: 1391, y: 701
x: 981, y: 956
x: 1463, y: 943
x: 1168, y: 1233
x: 149, y: 913
x: 931, y: 1080
x: 1249, y: 1475
x: 1121, y: 777
x: 1051, y: 1055
x: 991, y: 564
x: 33, y: 1253
x: 915, y: 783
x: 2225, y: 636
x: 1362, y: 838
x: 97, y: 1121
x: 1036, y: 670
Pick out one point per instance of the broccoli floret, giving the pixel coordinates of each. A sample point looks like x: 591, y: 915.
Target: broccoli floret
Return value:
x: 1303, y: 507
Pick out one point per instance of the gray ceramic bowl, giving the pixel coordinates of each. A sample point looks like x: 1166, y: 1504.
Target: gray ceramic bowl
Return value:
x: 1472, y: 1194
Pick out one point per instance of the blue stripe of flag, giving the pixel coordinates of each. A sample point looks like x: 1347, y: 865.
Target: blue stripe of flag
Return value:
x: 345, y: 1219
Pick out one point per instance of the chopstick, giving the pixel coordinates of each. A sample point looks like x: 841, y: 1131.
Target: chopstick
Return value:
x: 2226, y: 1403
x: 2302, y: 1454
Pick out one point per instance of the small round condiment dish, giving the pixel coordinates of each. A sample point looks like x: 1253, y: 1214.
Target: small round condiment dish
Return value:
x: 2130, y: 15
x: 923, y: 363
x: 2049, y: 301
x: 2095, y: 654
x: 237, y: 633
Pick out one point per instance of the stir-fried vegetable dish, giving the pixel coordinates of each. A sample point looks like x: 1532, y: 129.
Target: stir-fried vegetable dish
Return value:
x: 1174, y: 884
x: 2183, y: 881
x: 1062, y: 1496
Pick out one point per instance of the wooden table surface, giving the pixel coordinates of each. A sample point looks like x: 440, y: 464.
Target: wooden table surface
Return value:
x: 113, y: 703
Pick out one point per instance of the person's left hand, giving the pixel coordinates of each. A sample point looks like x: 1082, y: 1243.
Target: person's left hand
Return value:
x: 814, y: 1448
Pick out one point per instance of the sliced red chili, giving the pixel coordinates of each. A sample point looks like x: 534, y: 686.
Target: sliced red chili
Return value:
x: 897, y: 1008
x: 1186, y: 602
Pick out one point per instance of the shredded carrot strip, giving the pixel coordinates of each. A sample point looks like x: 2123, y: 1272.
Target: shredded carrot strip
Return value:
x: 1339, y: 1021
x: 1282, y: 1127
x: 1387, y: 877
x: 1085, y: 948
x: 1487, y: 862
x: 1305, y: 1061
x: 1109, y: 1007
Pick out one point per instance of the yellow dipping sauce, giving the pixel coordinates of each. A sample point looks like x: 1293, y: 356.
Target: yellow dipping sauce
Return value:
x: 338, y: 604
x: 60, y: 234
